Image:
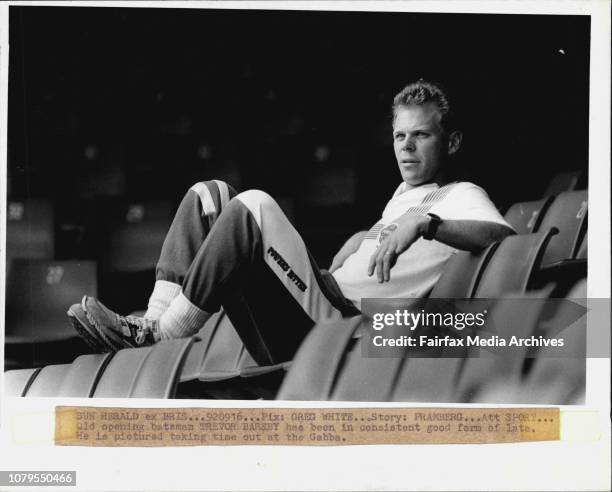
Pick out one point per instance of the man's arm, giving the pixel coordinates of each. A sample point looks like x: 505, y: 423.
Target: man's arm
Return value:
x: 349, y: 247
x: 471, y: 235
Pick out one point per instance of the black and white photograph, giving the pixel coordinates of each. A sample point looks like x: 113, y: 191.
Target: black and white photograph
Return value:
x: 242, y: 191
x: 280, y: 203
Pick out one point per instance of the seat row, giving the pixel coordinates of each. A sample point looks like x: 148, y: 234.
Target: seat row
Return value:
x: 128, y: 236
x: 137, y: 242
x: 219, y: 359
x: 567, y: 212
x: 156, y: 371
x: 330, y: 365
x: 40, y: 287
x: 40, y: 290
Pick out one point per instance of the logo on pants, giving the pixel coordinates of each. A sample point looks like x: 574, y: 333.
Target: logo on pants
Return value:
x: 280, y: 261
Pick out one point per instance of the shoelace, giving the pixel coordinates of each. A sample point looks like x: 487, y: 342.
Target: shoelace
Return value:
x: 135, y: 327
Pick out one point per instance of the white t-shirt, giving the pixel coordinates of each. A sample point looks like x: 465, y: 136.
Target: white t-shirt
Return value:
x: 420, y: 266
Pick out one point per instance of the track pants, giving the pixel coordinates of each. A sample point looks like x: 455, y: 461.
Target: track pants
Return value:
x: 240, y: 252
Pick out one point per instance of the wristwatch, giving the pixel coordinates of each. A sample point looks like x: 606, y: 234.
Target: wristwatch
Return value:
x: 432, y: 227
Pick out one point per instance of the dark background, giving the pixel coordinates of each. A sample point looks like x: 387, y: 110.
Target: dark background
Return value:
x: 137, y: 104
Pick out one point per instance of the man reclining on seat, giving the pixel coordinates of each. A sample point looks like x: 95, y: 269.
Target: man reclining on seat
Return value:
x: 240, y: 252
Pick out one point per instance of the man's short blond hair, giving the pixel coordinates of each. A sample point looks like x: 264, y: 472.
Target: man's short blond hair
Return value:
x: 423, y: 92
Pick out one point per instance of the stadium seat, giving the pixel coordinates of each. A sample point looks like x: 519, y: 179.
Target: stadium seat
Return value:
x: 428, y: 375
x: 48, y: 381
x: 361, y: 378
x: 568, y: 213
x: 17, y: 381
x: 250, y: 371
x: 548, y: 378
x: 220, y: 354
x: 459, y: 379
x: 583, y: 250
x: 328, y: 366
x: 564, y: 376
x: 365, y: 378
x: 317, y: 361
x: 147, y: 372
x: 219, y: 365
x: 461, y: 274
x: 513, y: 264
x: 193, y: 362
x: 38, y: 293
x: 428, y: 380
x: 508, y: 317
x: 137, y: 235
x: 564, y: 181
x: 29, y: 231
x: 525, y: 217
x: 226, y: 357
x: 81, y: 378
x: 221, y: 382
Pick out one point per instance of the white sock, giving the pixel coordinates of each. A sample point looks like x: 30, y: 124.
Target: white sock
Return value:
x: 181, y: 319
x: 160, y: 299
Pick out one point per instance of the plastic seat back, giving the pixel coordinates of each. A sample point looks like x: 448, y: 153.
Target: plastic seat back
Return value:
x: 198, y: 356
x: 147, y: 372
x: 29, y: 230
x: 458, y: 378
x: 17, y: 381
x: 223, y: 354
x: 366, y: 378
x: 583, y: 250
x: 82, y: 376
x: 461, y: 274
x: 568, y: 213
x: 562, y: 380
x: 563, y: 181
x: 318, y: 360
x: 137, y: 236
x: 48, y: 381
x: 525, y: 217
x: 513, y: 264
x: 508, y: 317
x: 39, y: 292
x: 427, y: 380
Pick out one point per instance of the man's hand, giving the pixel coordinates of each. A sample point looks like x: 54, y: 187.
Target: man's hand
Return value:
x: 469, y: 235
x: 349, y: 247
x: 408, y: 229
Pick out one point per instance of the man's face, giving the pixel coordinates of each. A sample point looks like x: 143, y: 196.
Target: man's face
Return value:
x: 419, y: 143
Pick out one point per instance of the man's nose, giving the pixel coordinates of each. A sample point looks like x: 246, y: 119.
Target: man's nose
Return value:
x: 409, y: 144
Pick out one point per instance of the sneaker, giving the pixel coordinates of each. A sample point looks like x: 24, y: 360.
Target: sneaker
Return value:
x: 105, y: 330
x: 85, y: 329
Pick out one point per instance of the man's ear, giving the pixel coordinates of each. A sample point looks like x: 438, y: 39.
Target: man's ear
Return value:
x: 454, y: 141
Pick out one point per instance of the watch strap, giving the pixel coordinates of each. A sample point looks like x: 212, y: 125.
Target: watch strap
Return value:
x: 432, y: 227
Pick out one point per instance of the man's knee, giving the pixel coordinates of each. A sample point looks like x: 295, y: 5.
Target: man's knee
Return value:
x: 213, y: 195
x: 259, y: 204
x: 256, y: 199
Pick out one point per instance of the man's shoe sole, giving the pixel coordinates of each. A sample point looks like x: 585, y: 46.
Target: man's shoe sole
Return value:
x: 78, y: 318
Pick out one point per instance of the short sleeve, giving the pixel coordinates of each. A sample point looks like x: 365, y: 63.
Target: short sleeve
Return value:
x: 467, y: 201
